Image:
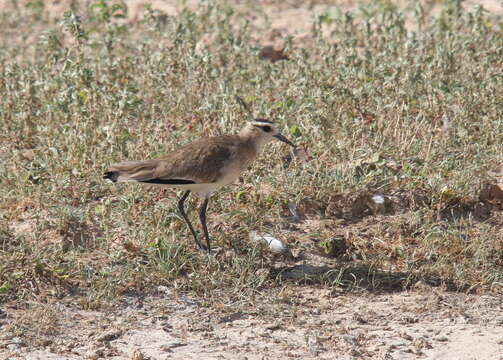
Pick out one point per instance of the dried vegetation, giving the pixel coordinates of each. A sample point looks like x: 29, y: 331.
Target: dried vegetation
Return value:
x: 398, y: 177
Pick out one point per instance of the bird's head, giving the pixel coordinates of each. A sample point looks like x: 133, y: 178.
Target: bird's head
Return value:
x: 264, y: 131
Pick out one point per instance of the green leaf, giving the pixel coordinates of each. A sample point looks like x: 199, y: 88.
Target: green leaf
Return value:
x: 83, y: 96
x: 5, y: 288
x: 295, y: 131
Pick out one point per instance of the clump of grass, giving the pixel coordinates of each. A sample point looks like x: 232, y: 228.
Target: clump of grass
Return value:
x: 378, y: 107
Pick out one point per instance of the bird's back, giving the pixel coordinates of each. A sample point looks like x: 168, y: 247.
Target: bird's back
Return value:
x: 207, y: 160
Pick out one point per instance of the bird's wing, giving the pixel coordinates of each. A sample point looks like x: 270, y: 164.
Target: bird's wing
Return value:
x: 196, y: 163
x: 200, y: 161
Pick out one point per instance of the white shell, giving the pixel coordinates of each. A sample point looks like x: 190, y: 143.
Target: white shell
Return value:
x: 275, y: 245
x: 378, y: 199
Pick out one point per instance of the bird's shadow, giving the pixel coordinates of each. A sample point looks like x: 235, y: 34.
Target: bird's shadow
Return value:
x: 350, y: 276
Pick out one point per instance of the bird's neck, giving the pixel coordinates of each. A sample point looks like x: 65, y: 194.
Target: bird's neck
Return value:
x: 254, y: 139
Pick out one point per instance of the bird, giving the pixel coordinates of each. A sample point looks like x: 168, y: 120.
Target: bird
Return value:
x: 202, y: 167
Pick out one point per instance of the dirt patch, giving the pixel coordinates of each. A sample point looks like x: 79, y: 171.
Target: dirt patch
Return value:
x: 314, y: 324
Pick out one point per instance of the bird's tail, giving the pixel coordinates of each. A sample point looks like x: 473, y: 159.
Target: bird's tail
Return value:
x: 131, y: 171
x: 111, y: 175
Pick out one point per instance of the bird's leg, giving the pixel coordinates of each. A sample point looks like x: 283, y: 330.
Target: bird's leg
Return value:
x: 202, y: 217
x: 184, y: 215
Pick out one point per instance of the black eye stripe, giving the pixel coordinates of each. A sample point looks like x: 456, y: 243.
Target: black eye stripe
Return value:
x: 265, y: 128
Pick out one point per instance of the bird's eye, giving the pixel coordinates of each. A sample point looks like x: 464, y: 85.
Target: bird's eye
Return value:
x: 266, y: 128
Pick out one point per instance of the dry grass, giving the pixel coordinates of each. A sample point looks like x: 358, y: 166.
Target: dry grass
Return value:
x: 414, y: 116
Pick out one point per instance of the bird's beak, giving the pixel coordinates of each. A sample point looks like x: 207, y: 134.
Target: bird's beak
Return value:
x: 284, y: 139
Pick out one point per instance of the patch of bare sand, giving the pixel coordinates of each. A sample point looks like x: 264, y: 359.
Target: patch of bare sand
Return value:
x: 287, y: 17
x: 469, y: 343
x: 314, y: 324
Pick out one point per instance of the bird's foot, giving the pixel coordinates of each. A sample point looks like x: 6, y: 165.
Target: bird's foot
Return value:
x: 215, y: 250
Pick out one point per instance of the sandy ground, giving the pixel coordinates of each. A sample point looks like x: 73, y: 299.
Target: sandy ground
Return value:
x: 272, y: 20
x: 421, y: 324
x: 424, y: 323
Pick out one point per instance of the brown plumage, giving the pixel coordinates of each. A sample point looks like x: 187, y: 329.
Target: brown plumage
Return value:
x: 202, y: 166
